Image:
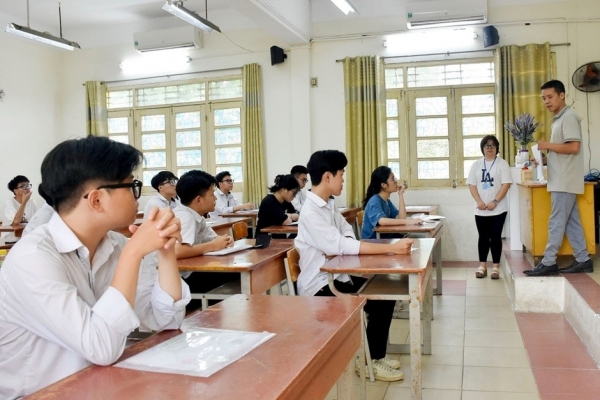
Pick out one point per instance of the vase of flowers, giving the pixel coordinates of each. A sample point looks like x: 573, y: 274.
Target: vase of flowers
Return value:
x: 522, y: 130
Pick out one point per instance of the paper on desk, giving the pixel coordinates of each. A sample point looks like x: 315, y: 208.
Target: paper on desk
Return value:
x: 537, y: 155
x: 198, y: 352
x: 228, y: 250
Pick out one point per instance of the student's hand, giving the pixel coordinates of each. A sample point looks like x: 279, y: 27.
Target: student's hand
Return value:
x: 159, y: 231
x: 220, y: 242
x: 401, y: 189
x: 249, y: 206
x: 415, y: 221
x: 481, y: 205
x: 402, y: 246
x: 26, y: 196
x: 543, y: 145
x: 491, y: 205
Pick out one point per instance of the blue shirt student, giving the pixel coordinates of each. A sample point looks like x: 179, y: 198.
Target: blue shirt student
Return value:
x: 376, y: 209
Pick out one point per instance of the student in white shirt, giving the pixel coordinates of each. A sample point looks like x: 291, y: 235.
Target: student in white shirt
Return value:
x: 301, y: 173
x: 43, y: 215
x: 72, y: 290
x: 226, y: 203
x: 165, y: 183
x: 196, y: 189
x: 21, y: 207
x: 323, y: 231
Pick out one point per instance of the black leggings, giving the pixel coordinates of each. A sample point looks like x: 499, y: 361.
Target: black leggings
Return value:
x: 490, y: 236
x: 379, y: 319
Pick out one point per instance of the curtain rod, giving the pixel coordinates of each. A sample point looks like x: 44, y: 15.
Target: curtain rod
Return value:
x: 451, y: 52
x: 169, y: 76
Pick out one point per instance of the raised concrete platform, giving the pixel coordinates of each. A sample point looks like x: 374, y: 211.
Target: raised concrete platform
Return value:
x: 577, y: 296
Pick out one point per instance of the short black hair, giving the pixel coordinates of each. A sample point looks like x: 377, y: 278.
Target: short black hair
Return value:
x: 72, y: 164
x: 298, y: 170
x: 288, y: 182
x: 554, y: 84
x: 16, y: 181
x: 192, y: 184
x: 487, y: 139
x: 161, y: 178
x: 219, y: 177
x: 325, y: 161
x: 44, y: 195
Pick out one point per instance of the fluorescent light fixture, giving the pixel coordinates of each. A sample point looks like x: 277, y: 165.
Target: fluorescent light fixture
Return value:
x: 156, y: 63
x: 178, y: 10
x: 344, y: 5
x: 43, y: 37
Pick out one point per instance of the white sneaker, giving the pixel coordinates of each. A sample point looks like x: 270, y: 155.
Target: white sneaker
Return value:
x: 382, y: 371
x: 391, y: 362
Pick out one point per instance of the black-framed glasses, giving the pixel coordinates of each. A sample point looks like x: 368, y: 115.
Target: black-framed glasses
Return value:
x: 172, y: 182
x: 228, y: 180
x: 304, y: 180
x: 136, y: 188
x: 490, y: 146
x: 25, y: 186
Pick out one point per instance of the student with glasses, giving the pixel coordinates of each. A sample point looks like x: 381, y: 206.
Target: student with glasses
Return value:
x: 379, y: 209
x: 276, y: 208
x: 21, y: 207
x: 489, y: 180
x: 301, y: 173
x: 164, y: 183
x: 73, y: 289
x: 226, y: 203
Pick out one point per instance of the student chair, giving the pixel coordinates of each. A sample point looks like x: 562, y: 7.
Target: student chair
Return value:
x: 240, y: 230
x: 359, y: 220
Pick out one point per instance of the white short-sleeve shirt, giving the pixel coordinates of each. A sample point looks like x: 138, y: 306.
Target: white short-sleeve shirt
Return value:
x: 488, y: 186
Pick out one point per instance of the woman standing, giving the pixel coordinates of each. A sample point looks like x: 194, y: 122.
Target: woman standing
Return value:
x: 276, y: 208
x: 379, y: 209
x: 488, y: 181
x: 21, y: 207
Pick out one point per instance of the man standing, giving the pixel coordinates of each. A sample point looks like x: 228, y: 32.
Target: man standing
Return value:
x: 565, y: 182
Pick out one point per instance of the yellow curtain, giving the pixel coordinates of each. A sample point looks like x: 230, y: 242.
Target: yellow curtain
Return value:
x: 95, y: 103
x: 255, y: 181
x: 364, y: 88
x: 520, y: 72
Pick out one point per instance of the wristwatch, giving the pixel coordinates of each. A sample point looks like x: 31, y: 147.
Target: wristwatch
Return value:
x: 495, y: 201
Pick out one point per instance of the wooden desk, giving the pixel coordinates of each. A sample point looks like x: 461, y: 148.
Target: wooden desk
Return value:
x: 223, y: 226
x: 385, y: 285
x: 4, y: 245
x: 140, y: 215
x: 428, y: 229
x: 259, y: 269
x: 125, y: 230
x: 534, y: 209
x: 16, y: 230
x: 315, y: 342
x: 252, y: 214
x: 432, y: 209
x: 348, y: 213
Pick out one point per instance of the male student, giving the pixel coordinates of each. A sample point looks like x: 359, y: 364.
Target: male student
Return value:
x: 72, y: 290
x: 301, y: 173
x: 323, y: 231
x: 196, y: 189
x: 41, y: 216
x: 164, y: 183
x: 226, y: 203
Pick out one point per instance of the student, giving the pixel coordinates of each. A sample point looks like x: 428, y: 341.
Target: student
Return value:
x: 301, y: 173
x: 322, y: 232
x: 196, y: 189
x: 276, y: 208
x: 72, y: 290
x: 226, y: 203
x: 21, y: 207
x: 165, y: 183
x: 379, y: 209
x: 43, y: 215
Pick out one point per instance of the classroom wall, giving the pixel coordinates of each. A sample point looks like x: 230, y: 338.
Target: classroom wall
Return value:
x: 298, y: 118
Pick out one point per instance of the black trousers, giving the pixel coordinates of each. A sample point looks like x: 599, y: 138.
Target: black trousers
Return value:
x: 379, y: 318
x: 490, y: 236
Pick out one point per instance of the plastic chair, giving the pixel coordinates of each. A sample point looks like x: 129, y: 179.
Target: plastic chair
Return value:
x: 240, y: 230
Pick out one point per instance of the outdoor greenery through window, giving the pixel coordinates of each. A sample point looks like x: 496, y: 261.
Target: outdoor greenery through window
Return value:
x: 192, y: 125
x: 436, y: 116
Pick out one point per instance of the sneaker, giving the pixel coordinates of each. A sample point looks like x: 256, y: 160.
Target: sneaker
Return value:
x: 586, y: 266
x: 391, y: 362
x: 382, y: 371
x: 542, y: 270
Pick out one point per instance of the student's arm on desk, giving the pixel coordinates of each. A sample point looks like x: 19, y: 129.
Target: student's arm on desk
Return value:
x: 402, y: 246
x: 184, y: 250
x: 399, y: 221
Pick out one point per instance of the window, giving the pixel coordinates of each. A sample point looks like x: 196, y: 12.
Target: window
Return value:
x: 178, y: 129
x: 436, y: 117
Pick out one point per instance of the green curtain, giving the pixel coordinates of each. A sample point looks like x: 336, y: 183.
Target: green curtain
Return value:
x: 364, y: 89
x: 255, y: 181
x: 95, y: 104
x: 520, y: 72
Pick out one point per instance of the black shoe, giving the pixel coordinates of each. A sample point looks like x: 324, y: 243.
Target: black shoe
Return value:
x: 542, y: 270
x: 586, y: 266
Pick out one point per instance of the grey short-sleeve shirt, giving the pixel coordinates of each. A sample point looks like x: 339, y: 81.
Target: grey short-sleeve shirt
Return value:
x: 565, y: 171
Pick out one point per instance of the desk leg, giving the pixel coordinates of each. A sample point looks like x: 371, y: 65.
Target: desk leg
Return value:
x: 245, y: 283
x: 377, y: 235
x: 427, y: 316
x: 415, y: 336
x: 344, y: 383
x: 437, y: 258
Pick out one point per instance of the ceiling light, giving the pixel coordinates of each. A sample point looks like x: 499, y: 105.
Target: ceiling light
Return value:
x: 177, y: 9
x: 344, y: 5
x: 44, y: 37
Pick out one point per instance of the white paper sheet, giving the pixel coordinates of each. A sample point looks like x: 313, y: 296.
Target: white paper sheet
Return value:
x: 229, y: 250
x: 537, y: 155
x: 197, y: 352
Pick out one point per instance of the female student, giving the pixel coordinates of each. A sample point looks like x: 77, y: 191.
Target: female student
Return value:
x: 379, y: 209
x: 21, y: 207
x: 276, y: 208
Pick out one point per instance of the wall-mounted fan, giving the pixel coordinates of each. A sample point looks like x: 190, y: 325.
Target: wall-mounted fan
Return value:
x: 587, y: 77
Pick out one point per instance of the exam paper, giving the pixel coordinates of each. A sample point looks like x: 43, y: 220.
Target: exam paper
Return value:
x: 537, y: 155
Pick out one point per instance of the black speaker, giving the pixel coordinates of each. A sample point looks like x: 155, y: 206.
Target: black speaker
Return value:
x: 277, y: 55
x: 490, y: 36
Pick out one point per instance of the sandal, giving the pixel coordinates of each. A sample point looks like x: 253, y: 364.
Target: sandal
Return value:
x: 495, y: 273
x: 481, y: 272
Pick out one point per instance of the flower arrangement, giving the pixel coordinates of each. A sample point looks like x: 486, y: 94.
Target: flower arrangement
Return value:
x: 522, y: 129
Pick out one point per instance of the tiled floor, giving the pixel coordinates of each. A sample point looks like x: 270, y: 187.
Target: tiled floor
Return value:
x: 482, y: 350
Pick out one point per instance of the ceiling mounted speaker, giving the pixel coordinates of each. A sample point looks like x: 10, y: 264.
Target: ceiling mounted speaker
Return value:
x: 277, y: 55
x: 490, y: 36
